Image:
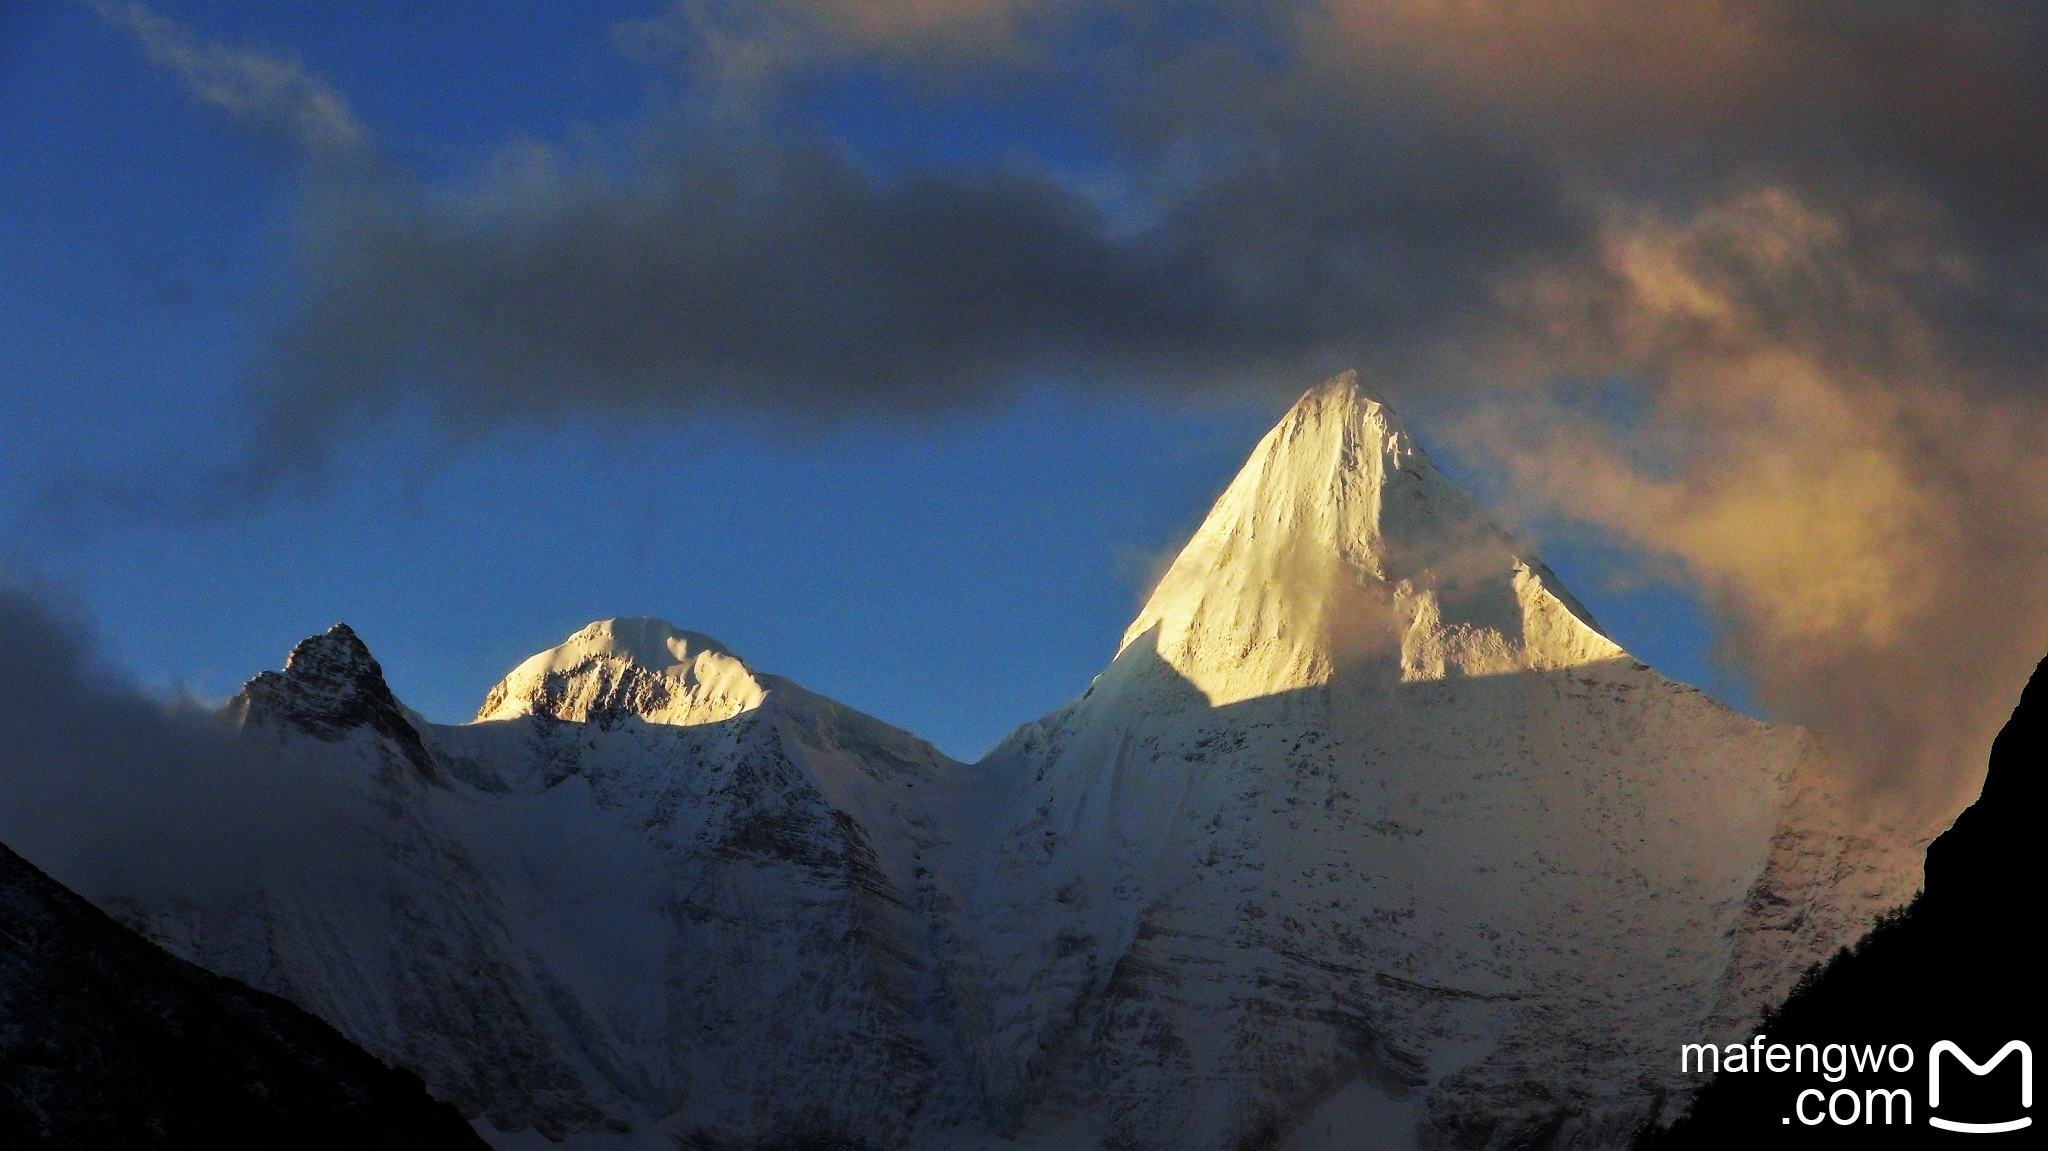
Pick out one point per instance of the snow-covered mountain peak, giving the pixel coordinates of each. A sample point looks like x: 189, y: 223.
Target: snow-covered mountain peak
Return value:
x: 330, y: 686
x: 632, y: 666
x: 1340, y: 544
x: 331, y: 672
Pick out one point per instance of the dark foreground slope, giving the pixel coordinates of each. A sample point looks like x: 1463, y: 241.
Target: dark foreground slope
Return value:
x: 1963, y: 963
x: 107, y: 1042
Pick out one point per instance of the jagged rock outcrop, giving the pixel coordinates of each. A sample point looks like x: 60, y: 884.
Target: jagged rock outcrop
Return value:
x: 107, y: 1043
x: 330, y: 686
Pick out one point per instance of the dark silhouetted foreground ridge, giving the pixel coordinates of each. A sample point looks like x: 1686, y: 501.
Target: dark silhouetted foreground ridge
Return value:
x: 1961, y: 963
x: 107, y: 1042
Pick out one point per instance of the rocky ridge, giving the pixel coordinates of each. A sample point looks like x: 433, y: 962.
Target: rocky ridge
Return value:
x: 330, y: 686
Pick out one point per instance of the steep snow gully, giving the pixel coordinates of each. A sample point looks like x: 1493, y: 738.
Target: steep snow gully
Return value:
x: 1368, y: 836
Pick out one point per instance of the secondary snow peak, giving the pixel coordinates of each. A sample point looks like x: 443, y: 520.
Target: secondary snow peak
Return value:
x: 630, y: 666
x: 330, y: 686
x: 1340, y: 544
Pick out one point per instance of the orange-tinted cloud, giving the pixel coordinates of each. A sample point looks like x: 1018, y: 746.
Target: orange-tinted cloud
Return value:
x: 1861, y: 506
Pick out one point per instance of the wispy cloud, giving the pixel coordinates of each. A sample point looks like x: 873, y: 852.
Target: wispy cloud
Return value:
x: 269, y: 92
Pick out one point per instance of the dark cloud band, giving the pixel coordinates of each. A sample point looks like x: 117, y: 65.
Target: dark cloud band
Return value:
x: 1813, y: 235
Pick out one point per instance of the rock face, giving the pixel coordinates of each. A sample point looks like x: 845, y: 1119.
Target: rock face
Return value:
x: 1367, y: 836
x: 1961, y: 964
x: 107, y: 1042
x: 330, y: 687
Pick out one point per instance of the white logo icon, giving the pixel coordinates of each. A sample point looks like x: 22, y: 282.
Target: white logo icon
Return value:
x: 1976, y: 1068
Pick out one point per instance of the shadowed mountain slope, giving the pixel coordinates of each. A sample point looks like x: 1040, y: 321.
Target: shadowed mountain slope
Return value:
x: 649, y: 894
x: 106, y: 1042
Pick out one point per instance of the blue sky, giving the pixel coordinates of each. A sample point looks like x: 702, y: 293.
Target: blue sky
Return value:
x: 954, y: 571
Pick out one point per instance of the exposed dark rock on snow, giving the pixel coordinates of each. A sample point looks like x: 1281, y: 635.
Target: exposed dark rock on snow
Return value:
x: 330, y: 686
x: 106, y: 1042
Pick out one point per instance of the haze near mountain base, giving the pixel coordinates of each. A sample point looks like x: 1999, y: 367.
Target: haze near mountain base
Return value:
x: 1367, y: 834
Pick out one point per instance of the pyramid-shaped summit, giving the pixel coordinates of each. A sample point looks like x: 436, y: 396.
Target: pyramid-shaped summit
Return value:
x: 1340, y: 543
x: 1367, y: 829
